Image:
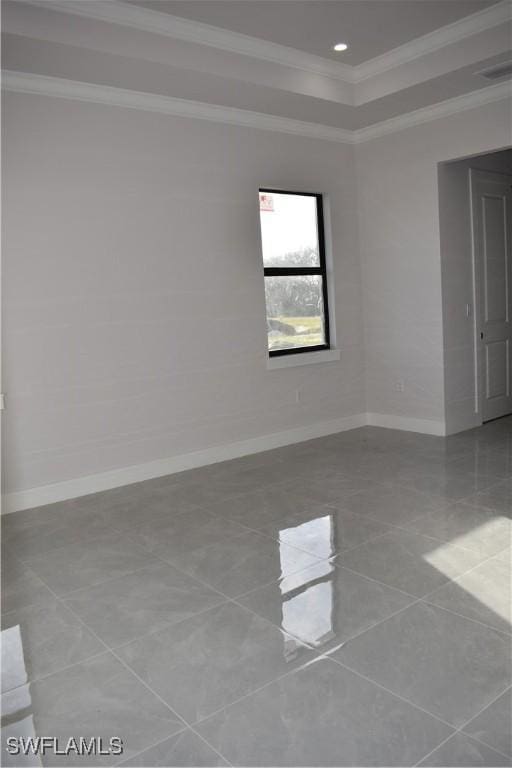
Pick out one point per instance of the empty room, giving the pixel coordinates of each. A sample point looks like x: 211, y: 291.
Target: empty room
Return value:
x: 256, y: 383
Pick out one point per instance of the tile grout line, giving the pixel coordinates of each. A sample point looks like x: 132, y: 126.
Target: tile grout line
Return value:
x: 449, y: 579
x: 260, y: 586
x: 371, y: 578
x: 268, y: 535
x: 158, y: 559
x: 162, y: 700
x: 146, y: 685
x: 455, y: 729
x: 200, y: 735
x: 467, y: 618
x: 151, y: 746
x: 236, y: 494
x: 443, y: 508
x: 493, y: 701
x: 67, y: 595
x: 113, y: 529
x: 187, y: 724
x: 234, y: 600
x: 444, y: 741
x: 109, y: 649
x: 280, y: 579
x: 393, y: 527
x: 404, y: 608
x: 57, y: 671
x: 354, y: 546
x: 331, y: 559
x: 213, y: 608
x: 473, y: 567
x: 191, y: 725
x: 329, y: 505
x: 161, y: 741
x: 149, y: 553
x: 260, y: 688
x: 330, y: 651
x: 319, y: 658
x: 328, y: 657
x: 461, y: 730
x: 490, y: 703
x: 424, y: 599
x: 205, y: 506
x: 326, y: 653
x: 30, y: 605
x: 110, y: 531
x: 338, y: 566
x: 318, y: 653
x: 112, y: 650
x: 446, y: 541
x: 397, y: 695
x: 125, y: 643
x: 458, y: 499
x: 127, y: 531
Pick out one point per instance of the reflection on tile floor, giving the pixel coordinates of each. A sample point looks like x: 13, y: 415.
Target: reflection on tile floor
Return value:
x: 344, y: 601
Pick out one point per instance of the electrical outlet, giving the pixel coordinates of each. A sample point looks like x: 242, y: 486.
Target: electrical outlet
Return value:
x: 400, y: 385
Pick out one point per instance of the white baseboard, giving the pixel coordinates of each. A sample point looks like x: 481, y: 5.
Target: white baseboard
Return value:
x: 81, y: 486
x: 407, y: 424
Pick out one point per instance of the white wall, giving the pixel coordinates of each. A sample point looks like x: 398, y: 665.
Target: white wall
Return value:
x: 457, y: 283
x: 134, y: 315
x: 398, y: 210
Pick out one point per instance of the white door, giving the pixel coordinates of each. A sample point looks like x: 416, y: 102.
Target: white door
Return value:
x: 491, y: 199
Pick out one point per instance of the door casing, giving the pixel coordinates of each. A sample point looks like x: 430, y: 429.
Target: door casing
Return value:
x: 478, y: 180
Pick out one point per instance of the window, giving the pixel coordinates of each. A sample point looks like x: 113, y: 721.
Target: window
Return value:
x: 292, y: 236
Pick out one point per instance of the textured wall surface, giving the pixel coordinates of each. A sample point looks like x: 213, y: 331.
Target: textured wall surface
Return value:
x: 134, y: 310
x: 397, y: 178
x: 134, y: 314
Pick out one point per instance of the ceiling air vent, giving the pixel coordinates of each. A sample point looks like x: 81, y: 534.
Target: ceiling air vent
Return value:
x: 497, y: 72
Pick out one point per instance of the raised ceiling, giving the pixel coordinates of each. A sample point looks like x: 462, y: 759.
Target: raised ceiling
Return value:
x: 134, y: 54
x: 371, y: 27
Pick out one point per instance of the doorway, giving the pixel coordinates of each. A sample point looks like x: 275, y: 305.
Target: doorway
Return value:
x: 491, y: 220
x: 475, y: 209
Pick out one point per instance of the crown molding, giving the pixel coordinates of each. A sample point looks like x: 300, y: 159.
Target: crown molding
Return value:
x: 42, y: 85
x: 466, y: 27
x: 24, y: 82
x: 116, y: 12
x: 486, y: 95
x: 180, y: 28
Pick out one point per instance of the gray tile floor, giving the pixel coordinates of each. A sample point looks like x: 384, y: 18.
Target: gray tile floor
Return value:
x: 345, y: 601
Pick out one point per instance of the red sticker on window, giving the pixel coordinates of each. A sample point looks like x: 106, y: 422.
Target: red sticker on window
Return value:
x: 266, y: 202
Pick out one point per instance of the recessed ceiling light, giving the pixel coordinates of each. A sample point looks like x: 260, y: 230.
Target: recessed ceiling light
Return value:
x: 340, y: 47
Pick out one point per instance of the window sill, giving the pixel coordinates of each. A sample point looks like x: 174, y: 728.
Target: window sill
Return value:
x: 303, y: 358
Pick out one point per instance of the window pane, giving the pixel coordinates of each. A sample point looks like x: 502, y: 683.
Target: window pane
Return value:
x: 295, y: 311
x: 289, y: 231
